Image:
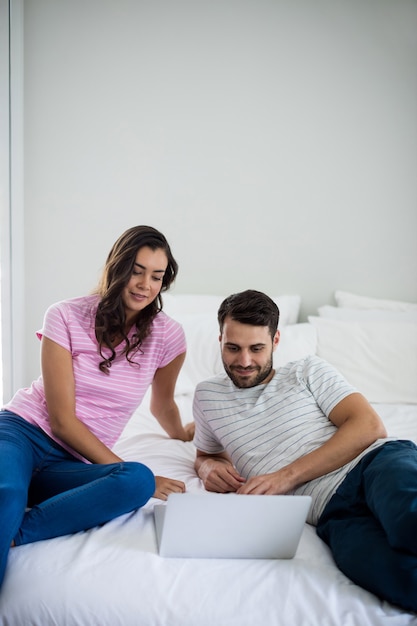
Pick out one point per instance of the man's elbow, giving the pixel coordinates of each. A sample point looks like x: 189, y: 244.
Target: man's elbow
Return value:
x: 377, y: 428
x: 380, y: 431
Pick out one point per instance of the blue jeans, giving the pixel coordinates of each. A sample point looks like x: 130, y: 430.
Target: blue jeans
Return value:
x: 65, y: 495
x: 370, y: 523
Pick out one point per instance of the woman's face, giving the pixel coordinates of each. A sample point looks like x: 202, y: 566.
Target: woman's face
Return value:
x: 145, y: 282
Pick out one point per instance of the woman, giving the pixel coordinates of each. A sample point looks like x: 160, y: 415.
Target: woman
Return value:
x: 99, y: 354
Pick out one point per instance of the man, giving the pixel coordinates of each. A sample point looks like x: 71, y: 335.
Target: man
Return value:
x: 302, y: 429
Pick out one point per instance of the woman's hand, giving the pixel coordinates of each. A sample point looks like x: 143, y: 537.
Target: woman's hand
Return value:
x: 165, y: 486
x: 189, y: 431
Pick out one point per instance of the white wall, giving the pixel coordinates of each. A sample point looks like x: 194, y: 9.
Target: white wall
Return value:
x: 11, y: 197
x: 274, y: 143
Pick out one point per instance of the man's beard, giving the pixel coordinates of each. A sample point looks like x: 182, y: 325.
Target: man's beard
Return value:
x: 258, y: 375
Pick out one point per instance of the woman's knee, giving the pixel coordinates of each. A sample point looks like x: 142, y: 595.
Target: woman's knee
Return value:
x: 12, y: 499
x: 140, y: 482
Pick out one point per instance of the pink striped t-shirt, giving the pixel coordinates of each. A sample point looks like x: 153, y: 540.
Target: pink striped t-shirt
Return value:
x: 104, y: 402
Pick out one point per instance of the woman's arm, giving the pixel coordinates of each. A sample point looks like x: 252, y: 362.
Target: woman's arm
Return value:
x: 58, y: 378
x: 163, y: 405
x: 59, y: 386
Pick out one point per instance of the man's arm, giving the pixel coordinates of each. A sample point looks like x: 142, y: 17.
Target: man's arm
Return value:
x: 217, y: 472
x: 358, y: 426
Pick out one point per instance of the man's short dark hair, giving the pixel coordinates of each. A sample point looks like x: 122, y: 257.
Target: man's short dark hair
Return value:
x: 250, y: 307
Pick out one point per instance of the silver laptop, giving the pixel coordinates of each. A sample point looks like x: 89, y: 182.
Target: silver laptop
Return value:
x: 227, y: 525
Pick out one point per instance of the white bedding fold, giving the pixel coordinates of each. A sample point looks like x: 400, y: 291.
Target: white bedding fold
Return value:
x: 113, y: 576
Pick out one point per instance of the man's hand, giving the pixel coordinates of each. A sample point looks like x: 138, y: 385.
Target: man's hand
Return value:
x: 269, y: 484
x: 165, y: 486
x: 218, y: 474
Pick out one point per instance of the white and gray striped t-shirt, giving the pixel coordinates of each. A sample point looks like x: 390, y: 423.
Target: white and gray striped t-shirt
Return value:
x: 266, y: 427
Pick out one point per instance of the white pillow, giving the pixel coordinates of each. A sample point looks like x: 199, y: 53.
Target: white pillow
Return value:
x: 289, y: 309
x: 184, y: 385
x: 178, y: 304
x: 203, y: 358
x: 350, y: 300
x: 379, y: 358
x: 296, y: 342
x: 348, y: 314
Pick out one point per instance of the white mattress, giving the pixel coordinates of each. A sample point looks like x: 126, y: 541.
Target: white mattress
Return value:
x: 113, y: 576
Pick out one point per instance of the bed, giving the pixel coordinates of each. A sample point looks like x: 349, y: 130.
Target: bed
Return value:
x: 113, y: 575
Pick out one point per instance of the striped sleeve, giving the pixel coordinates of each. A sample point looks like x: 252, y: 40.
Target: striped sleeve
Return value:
x: 55, y: 325
x: 326, y: 384
x: 174, y: 341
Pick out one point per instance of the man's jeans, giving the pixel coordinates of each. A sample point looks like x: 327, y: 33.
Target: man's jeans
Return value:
x: 65, y: 494
x: 370, y: 523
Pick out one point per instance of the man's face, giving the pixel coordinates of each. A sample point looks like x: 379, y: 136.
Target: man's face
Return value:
x: 247, y: 353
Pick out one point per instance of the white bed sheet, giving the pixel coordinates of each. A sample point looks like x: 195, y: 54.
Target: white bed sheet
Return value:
x: 113, y: 576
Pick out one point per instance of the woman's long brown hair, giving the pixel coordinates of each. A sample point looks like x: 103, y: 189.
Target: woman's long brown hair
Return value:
x: 110, y: 317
